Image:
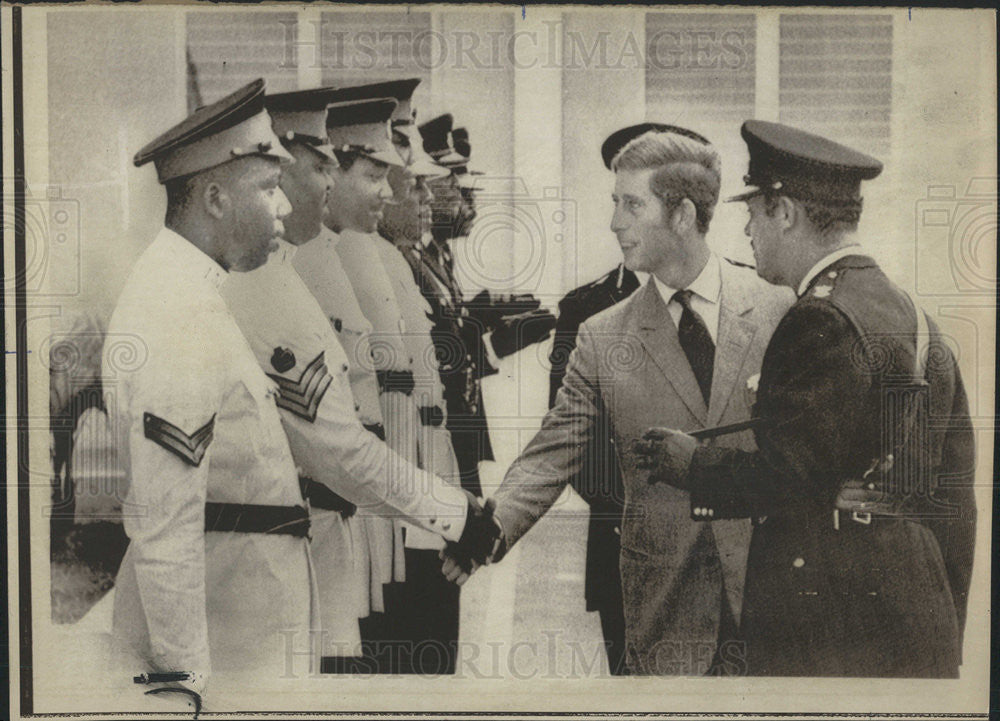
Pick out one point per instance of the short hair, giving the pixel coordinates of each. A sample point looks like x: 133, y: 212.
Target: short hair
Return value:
x: 179, y: 191
x: 685, y: 168
x: 831, y: 219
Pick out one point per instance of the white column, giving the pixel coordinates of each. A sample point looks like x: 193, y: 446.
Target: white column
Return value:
x: 767, y: 91
x: 604, y: 89
x: 309, y: 68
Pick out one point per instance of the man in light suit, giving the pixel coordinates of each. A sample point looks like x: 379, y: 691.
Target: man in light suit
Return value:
x: 680, y: 351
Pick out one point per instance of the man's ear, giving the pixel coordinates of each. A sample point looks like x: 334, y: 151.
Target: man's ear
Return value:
x: 789, y: 212
x: 684, y: 217
x: 215, y: 199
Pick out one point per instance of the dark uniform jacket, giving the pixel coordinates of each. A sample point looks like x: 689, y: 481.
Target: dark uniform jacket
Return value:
x: 599, y: 483
x: 462, y: 358
x: 855, y: 595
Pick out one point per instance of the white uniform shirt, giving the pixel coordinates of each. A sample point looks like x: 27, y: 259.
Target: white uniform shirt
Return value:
x: 319, y: 267
x: 196, y: 421
x: 295, y: 345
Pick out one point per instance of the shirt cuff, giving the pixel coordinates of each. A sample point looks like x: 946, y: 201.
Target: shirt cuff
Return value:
x: 491, y: 356
x: 451, y: 522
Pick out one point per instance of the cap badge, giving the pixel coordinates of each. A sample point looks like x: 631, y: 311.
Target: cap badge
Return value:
x: 282, y: 359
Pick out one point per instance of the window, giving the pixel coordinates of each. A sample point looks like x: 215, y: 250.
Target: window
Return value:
x: 836, y: 77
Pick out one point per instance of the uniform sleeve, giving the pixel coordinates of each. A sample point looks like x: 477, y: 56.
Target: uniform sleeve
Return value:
x: 813, y: 395
x: 557, y: 452
x: 172, y: 414
x: 955, y: 491
x: 563, y: 343
x: 332, y: 447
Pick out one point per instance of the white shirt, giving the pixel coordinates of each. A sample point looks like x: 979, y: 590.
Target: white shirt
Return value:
x: 319, y: 267
x: 198, y: 423
x: 295, y: 345
x: 706, y: 290
x: 825, y: 262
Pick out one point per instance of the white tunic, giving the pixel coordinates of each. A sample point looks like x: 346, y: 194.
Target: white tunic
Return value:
x: 296, y: 346
x: 196, y: 421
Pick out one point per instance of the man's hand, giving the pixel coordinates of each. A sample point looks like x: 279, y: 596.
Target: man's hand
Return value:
x: 452, y: 570
x: 489, y: 308
x: 516, y: 332
x: 481, y: 541
x: 666, y: 454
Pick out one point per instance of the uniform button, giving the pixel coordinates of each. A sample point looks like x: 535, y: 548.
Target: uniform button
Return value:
x: 799, y: 562
x: 343, y: 368
x: 711, y: 512
x: 338, y: 325
x: 446, y: 526
x: 871, y: 486
x: 357, y: 407
x: 832, y: 274
x: 618, y: 531
x: 433, y: 521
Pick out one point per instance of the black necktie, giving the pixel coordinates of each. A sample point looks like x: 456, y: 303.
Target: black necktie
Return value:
x: 697, y: 343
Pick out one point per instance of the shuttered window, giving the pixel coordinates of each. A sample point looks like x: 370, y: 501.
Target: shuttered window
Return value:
x: 836, y: 77
x: 229, y: 49
x: 700, y: 68
x: 357, y: 48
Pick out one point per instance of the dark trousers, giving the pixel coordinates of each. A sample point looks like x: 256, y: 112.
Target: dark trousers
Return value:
x: 612, y: 613
x: 425, y: 616
x: 730, y: 652
x: 467, y: 444
x: 379, y: 654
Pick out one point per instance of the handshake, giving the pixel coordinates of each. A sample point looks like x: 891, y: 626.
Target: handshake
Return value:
x: 481, y: 543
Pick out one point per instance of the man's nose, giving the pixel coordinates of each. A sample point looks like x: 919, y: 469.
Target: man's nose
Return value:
x: 283, y: 206
x: 385, y: 190
x: 617, y: 221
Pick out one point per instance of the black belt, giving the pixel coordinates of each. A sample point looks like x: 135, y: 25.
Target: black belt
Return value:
x: 321, y: 497
x: 431, y: 415
x: 250, y: 518
x: 395, y: 381
x: 377, y: 428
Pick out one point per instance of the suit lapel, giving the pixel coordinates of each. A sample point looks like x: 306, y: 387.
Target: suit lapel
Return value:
x: 659, y: 338
x: 735, y: 334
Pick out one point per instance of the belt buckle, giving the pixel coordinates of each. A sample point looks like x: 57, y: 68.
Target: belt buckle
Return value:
x: 864, y: 519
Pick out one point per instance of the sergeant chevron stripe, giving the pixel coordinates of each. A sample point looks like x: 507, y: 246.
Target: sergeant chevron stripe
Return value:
x: 302, y: 397
x: 190, y: 448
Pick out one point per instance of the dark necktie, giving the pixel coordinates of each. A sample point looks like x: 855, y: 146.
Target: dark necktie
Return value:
x: 696, y: 342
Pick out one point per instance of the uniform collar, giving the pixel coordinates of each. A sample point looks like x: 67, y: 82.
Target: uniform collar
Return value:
x: 326, y: 235
x: 285, y: 251
x: 825, y: 262
x: 707, y: 285
x: 189, y: 260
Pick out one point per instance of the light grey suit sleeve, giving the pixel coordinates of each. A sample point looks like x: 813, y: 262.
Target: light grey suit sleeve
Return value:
x: 554, y: 456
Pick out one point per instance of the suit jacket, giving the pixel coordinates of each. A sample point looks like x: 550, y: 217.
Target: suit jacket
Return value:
x: 628, y: 373
x: 599, y: 483
x: 882, y: 598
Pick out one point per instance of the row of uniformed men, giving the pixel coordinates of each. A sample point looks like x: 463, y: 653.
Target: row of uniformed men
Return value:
x: 292, y: 391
